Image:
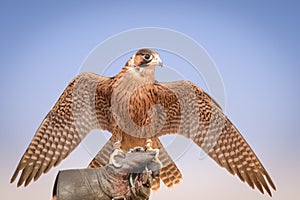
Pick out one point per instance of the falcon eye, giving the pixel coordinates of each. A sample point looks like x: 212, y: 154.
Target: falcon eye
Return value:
x: 147, y: 56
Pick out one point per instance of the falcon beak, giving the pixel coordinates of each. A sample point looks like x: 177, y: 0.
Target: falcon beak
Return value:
x: 158, y: 61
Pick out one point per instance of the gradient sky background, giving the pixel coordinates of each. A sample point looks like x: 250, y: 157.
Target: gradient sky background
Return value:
x: 254, y: 44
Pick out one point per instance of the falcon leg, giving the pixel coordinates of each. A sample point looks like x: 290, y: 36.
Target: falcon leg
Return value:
x: 117, y: 134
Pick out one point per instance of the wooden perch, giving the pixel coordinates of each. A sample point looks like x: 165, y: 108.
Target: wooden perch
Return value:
x: 127, y: 176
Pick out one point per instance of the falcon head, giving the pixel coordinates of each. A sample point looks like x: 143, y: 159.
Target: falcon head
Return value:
x: 145, y: 58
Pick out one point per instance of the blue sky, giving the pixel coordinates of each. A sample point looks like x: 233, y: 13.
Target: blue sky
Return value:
x: 255, y: 46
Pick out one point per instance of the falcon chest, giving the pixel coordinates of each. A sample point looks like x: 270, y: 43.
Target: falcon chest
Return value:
x: 132, y: 100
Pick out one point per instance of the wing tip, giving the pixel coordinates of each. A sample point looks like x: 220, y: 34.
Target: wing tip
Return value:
x: 20, y: 183
x: 15, y: 174
x: 271, y: 183
x: 263, y: 185
x: 13, y: 178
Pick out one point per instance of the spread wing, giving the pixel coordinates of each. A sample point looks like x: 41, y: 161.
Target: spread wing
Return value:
x: 82, y: 107
x: 190, y: 112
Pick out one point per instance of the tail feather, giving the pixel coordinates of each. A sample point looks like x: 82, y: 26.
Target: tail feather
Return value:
x: 155, y: 184
x: 169, y: 174
x: 102, y: 157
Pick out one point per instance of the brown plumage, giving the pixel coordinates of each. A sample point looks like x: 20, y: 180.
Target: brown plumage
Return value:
x: 134, y: 107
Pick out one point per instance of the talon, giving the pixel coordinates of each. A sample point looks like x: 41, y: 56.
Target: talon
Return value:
x: 149, y: 148
x: 149, y: 144
x: 117, y: 144
x: 156, y: 155
x: 116, y: 152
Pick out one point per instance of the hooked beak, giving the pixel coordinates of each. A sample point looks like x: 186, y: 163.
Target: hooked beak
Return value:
x: 158, y: 61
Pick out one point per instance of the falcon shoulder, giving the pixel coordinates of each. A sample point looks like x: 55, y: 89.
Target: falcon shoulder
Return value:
x: 82, y: 107
x: 194, y: 114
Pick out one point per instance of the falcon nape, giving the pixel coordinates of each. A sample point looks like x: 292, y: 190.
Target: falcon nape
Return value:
x: 134, y: 107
